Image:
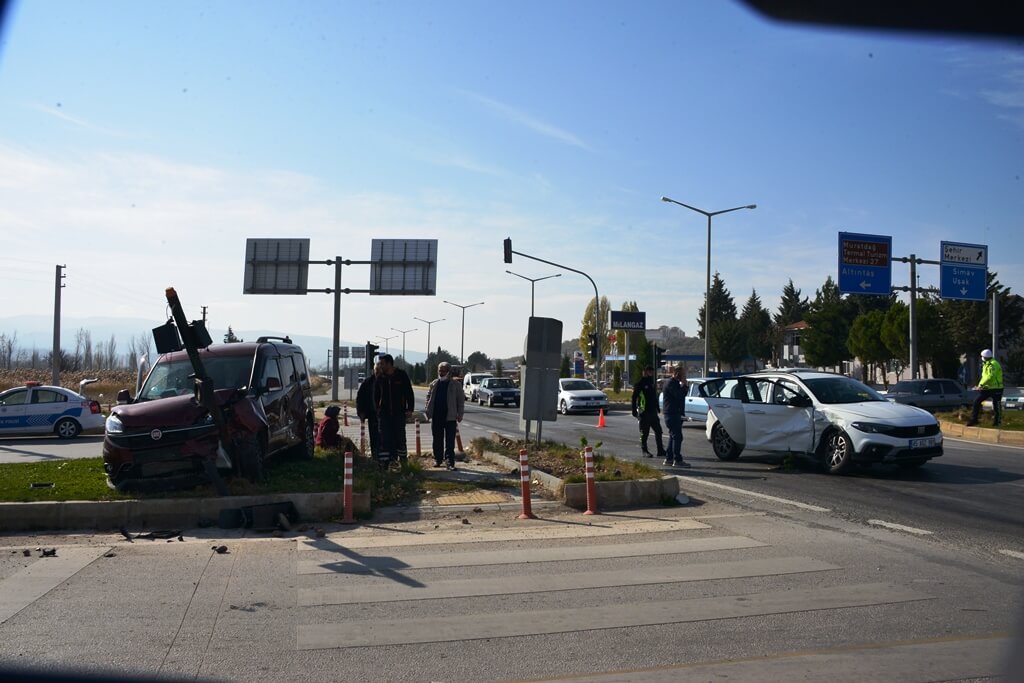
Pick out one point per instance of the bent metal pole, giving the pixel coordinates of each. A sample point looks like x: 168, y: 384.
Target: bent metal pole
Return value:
x: 524, y: 478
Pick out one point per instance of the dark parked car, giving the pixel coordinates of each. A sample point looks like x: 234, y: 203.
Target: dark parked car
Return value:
x: 495, y: 390
x: 931, y: 394
x: 166, y: 437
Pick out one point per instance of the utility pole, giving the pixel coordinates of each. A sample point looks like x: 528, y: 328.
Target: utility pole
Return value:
x: 55, y: 358
x: 204, y: 314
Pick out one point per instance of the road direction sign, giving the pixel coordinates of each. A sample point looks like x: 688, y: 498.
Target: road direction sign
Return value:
x: 963, y: 271
x: 865, y: 264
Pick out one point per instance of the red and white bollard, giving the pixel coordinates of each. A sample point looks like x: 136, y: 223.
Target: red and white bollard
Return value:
x: 418, y: 437
x: 524, y: 478
x: 345, y: 413
x: 362, y: 437
x: 588, y: 461
x: 458, y: 439
x: 346, y: 492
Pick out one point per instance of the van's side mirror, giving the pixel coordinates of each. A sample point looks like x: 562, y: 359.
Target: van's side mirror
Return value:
x: 123, y: 397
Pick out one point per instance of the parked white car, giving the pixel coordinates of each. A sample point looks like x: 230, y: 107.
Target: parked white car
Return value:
x: 575, y: 395
x: 471, y: 382
x: 832, y: 418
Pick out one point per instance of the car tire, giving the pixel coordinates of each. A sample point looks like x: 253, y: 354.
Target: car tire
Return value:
x: 66, y: 428
x: 250, y: 458
x: 516, y: 404
x: 723, y: 445
x: 307, y: 449
x: 563, y: 408
x: 837, y: 456
x: 490, y: 402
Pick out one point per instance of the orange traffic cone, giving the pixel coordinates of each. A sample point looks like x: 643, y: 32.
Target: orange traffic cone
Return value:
x: 600, y: 420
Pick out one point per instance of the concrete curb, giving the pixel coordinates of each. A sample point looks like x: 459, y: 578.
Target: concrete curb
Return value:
x: 982, y: 434
x: 177, y: 513
x: 610, y: 494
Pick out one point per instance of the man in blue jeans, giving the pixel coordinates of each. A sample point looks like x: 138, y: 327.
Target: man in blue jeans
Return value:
x: 675, y: 406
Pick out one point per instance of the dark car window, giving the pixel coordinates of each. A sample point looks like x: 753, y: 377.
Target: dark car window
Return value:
x: 933, y: 387
x: 834, y: 390
x: 271, y: 370
x: 906, y: 388
x: 288, y: 370
x: 16, y: 398
x: 500, y: 384
x: 48, y: 396
x: 950, y: 387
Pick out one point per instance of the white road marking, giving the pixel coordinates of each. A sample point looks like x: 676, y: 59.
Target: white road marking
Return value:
x: 785, y: 501
x: 899, y: 527
x: 1012, y: 553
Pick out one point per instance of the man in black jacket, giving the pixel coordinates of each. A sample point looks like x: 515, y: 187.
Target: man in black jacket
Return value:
x: 675, y: 407
x: 645, y: 410
x: 394, y: 400
x: 366, y: 409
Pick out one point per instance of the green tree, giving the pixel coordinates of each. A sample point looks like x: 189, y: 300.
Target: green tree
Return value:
x: 728, y: 343
x: 824, y: 342
x: 968, y: 322
x: 499, y: 368
x: 230, y: 338
x: 756, y: 323
x: 896, y: 334
x: 617, y: 378
x: 643, y: 359
x: 436, y: 358
x: 722, y: 306
x: 865, y: 342
x: 565, y: 369
x: 478, y: 362
x: 792, y: 308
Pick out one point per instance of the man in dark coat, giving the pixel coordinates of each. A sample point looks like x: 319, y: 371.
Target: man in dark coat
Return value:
x: 367, y: 410
x: 645, y: 410
x: 394, y: 400
x: 675, y: 406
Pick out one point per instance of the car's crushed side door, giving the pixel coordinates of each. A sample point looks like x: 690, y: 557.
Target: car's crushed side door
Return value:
x: 778, y: 417
x: 724, y: 408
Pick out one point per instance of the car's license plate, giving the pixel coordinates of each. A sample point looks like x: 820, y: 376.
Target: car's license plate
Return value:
x: 922, y: 443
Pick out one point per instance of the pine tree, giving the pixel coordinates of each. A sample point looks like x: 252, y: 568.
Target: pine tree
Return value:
x: 722, y: 306
x: 792, y: 308
x: 756, y: 322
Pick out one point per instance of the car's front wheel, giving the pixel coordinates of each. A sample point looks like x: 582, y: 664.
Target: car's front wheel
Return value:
x: 563, y: 408
x: 66, y: 428
x: 307, y: 449
x: 723, y: 445
x: 250, y: 458
x: 838, y: 454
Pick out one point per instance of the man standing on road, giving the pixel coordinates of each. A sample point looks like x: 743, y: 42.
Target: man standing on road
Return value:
x: 394, y: 400
x: 675, y: 402
x: 990, y: 386
x: 366, y: 409
x: 645, y: 410
x: 444, y: 408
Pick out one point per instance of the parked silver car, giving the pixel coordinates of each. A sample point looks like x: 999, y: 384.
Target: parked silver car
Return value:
x: 931, y: 394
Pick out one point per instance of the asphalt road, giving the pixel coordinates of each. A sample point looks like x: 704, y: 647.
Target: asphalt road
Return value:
x: 40, y: 449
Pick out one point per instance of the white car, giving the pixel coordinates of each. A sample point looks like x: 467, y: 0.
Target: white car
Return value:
x: 1012, y: 399
x: 830, y: 417
x: 40, y: 409
x: 471, y: 382
x: 575, y: 395
x: 696, y: 408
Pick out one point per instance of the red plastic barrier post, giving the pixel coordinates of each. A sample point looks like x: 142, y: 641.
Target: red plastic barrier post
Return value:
x: 346, y: 414
x: 524, y: 477
x: 588, y: 461
x: 458, y: 440
x: 418, y: 437
x: 346, y: 495
x: 362, y: 437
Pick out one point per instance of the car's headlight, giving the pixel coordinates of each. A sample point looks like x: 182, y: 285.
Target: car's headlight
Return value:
x: 873, y: 427
x: 113, y: 425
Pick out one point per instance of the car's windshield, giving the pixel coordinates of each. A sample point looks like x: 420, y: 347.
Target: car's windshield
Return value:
x: 499, y: 384
x: 906, y: 387
x: 1011, y: 391
x: 842, y: 390
x: 173, y: 378
x: 578, y: 385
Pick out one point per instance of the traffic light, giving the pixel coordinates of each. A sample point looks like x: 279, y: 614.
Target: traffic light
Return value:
x: 371, y: 351
x: 594, y: 348
x: 508, y: 250
x: 656, y: 351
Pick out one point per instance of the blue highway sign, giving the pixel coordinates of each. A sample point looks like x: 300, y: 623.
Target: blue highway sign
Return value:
x: 865, y: 264
x: 964, y: 271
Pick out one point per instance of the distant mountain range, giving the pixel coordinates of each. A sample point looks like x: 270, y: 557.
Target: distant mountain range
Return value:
x: 36, y: 331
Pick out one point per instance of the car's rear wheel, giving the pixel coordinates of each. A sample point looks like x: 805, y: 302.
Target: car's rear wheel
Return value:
x: 490, y: 402
x: 250, y: 458
x: 563, y: 408
x: 66, y: 428
x: 723, y: 445
x: 838, y: 452
x: 307, y: 449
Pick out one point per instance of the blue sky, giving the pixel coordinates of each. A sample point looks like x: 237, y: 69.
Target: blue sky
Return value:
x: 141, y: 143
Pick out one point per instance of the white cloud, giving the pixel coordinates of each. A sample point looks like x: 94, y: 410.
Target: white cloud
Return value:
x: 527, y: 120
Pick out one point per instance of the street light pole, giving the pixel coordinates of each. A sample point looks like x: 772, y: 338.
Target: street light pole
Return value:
x: 533, y: 282
x: 707, y: 284
x: 386, y: 340
x: 462, y: 347
x: 404, y: 332
x: 429, y: 323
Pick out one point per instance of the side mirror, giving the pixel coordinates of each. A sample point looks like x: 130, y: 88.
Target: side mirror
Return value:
x: 123, y: 397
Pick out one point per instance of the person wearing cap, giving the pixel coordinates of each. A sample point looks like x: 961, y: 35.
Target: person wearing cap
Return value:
x: 645, y: 410
x: 327, y: 430
x: 990, y: 386
x: 444, y: 408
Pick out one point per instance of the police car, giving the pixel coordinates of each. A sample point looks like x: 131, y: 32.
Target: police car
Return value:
x: 39, y: 409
